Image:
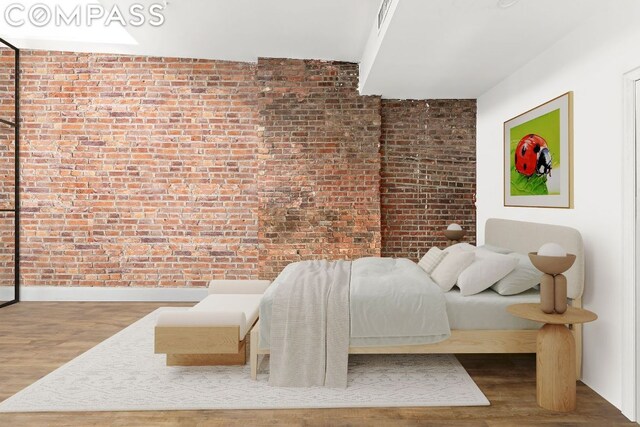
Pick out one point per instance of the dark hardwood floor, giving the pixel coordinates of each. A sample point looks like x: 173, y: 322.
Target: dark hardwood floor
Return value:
x: 36, y: 338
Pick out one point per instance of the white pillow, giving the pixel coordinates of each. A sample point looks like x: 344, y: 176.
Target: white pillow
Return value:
x: 524, y: 277
x: 496, y: 249
x: 459, y: 247
x: 488, y: 268
x: 447, y: 272
x: 431, y: 259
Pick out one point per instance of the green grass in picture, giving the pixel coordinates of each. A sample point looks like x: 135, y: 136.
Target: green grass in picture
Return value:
x: 548, y: 127
x: 521, y: 185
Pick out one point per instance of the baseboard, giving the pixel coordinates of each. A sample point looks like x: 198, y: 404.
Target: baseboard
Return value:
x: 59, y: 293
x: 6, y: 293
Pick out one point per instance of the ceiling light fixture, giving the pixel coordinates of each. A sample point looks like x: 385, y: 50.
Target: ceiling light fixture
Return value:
x: 503, y: 4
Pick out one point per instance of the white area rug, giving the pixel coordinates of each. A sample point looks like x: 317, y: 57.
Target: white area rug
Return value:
x: 122, y: 373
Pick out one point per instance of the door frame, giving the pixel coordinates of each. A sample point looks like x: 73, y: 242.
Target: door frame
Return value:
x: 630, y: 371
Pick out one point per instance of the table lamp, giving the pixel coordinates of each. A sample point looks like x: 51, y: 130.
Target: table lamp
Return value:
x: 454, y: 233
x: 552, y: 260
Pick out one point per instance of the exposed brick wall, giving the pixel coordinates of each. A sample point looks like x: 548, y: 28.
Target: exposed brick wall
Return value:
x: 137, y: 171
x: 7, y: 166
x: 428, y: 173
x: 7, y: 112
x: 7, y: 250
x: 7, y: 151
x: 319, y: 164
x: 142, y: 171
x: 7, y: 83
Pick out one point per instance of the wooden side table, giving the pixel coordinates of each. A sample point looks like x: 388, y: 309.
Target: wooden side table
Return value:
x: 555, y: 354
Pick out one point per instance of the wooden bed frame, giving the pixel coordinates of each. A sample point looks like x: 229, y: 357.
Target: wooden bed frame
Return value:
x: 522, y: 237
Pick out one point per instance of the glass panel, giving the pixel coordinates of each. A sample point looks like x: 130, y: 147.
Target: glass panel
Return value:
x: 7, y: 84
x: 7, y: 167
x: 7, y: 250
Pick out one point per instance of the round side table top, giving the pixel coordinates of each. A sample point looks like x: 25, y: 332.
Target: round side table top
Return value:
x: 533, y: 312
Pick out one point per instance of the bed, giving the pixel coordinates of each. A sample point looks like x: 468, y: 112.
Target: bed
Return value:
x: 479, y: 323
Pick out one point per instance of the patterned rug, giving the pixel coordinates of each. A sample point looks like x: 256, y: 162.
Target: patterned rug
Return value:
x: 123, y: 374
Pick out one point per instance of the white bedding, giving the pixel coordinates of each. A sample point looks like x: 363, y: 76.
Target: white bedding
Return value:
x: 392, y: 302
x: 486, y: 310
x: 310, y: 325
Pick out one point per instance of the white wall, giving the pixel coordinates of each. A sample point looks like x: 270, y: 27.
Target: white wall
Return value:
x: 590, y: 62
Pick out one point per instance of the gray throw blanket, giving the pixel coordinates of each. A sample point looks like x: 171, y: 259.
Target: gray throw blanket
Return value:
x: 310, y: 326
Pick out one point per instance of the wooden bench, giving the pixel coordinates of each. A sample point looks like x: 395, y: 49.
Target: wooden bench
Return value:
x: 213, y: 332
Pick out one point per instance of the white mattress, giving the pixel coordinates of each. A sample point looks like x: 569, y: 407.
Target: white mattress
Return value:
x: 488, y: 310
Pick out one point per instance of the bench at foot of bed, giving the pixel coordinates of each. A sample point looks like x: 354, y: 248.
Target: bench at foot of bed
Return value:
x: 213, y: 332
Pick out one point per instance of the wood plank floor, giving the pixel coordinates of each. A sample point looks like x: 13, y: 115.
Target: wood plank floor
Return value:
x: 36, y: 338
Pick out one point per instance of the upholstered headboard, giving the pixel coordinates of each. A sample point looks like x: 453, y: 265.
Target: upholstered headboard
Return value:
x: 525, y: 237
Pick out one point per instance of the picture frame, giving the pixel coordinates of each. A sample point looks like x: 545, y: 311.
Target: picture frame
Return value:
x: 538, y: 156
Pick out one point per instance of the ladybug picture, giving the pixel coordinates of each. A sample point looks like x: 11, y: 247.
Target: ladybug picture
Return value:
x: 532, y: 156
x: 537, y: 155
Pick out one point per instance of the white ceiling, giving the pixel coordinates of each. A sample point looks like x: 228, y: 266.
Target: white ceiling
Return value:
x: 236, y: 30
x: 427, y: 49
x: 462, y: 48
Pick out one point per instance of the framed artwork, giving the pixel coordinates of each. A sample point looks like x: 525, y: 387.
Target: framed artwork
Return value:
x: 538, y: 158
